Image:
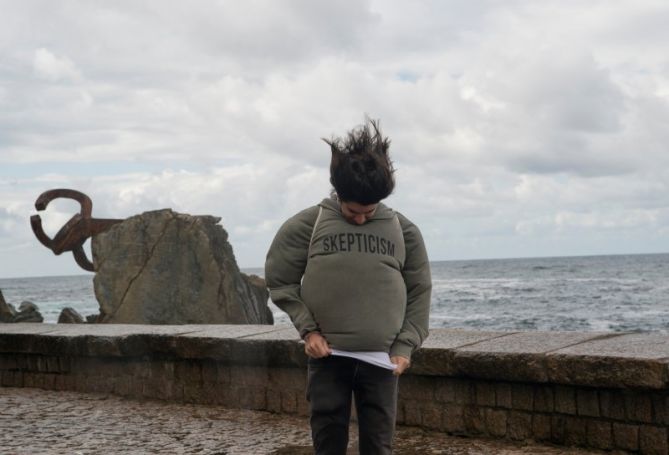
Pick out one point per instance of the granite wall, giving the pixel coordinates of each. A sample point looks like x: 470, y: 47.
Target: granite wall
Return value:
x: 597, y: 390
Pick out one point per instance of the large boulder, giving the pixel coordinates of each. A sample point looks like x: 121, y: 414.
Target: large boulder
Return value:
x: 70, y: 316
x: 28, y: 312
x: 163, y: 267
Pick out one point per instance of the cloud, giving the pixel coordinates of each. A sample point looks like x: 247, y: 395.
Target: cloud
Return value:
x: 522, y: 128
x: 8, y: 224
x: 48, y: 66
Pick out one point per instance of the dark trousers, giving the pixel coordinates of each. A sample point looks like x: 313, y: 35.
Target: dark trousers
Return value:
x: 331, y: 382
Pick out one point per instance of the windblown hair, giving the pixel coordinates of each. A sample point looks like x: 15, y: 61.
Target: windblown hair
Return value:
x: 360, y: 168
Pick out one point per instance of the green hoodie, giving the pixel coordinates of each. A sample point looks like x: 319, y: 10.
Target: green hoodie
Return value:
x: 364, y: 287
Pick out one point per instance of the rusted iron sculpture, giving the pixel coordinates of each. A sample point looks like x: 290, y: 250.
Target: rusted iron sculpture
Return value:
x: 73, y: 234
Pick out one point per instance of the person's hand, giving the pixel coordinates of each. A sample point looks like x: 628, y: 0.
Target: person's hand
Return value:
x: 316, y: 346
x: 401, y: 362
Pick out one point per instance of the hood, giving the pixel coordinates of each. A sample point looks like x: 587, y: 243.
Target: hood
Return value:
x: 383, y: 212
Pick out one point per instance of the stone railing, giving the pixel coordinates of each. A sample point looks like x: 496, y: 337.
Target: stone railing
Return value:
x: 598, y: 390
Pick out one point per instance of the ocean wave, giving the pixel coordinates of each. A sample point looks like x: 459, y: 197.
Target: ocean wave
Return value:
x: 610, y: 293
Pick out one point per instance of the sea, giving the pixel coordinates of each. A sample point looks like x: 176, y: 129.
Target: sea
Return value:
x: 618, y: 293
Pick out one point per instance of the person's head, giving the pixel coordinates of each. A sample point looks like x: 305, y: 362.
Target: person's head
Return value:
x: 361, y: 171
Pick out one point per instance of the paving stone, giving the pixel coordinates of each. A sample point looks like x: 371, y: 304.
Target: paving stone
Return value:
x: 289, y: 402
x: 231, y: 331
x: 431, y: 416
x: 541, y: 427
x: 411, y: 413
x: 653, y: 440
x: 436, y: 355
x: 485, y: 394
x: 565, y: 400
x: 544, y: 399
x: 419, y: 388
x: 599, y: 434
x: 279, y: 333
x: 587, y: 402
x: 250, y: 376
x: 625, y: 360
x: 639, y: 407
x: 519, y: 425
x: 612, y: 404
x: 522, y: 396
x: 626, y: 436
x: 660, y: 408
x: 454, y: 418
x: 28, y: 328
x: 503, y: 395
x: 123, y: 330
x: 558, y: 428
x: 464, y: 392
x: 444, y: 391
x: 293, y: 378
x: 496, y: 422
x: 457, y: 338
x: 474, y: 420
x: 575, y: 431
x: 515, y: 356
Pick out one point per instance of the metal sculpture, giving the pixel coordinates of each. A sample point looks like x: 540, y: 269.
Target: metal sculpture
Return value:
x: 76, y: 231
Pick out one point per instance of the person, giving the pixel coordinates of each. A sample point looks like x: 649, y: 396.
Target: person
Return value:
x: 354, y: 277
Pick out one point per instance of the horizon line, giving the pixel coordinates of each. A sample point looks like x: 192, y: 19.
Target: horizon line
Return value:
x: 241, y: 269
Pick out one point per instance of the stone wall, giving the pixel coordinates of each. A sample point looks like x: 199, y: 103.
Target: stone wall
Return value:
x: 605, y: 391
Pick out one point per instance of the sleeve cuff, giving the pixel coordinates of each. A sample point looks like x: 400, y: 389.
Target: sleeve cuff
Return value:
x: 402, y: 350
x: 305, y: 332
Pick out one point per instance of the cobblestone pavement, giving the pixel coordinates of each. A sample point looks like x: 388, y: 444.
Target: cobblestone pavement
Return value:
x: 34, y: 421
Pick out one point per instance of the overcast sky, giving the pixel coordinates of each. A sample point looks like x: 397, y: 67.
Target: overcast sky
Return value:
x: 518, y: 128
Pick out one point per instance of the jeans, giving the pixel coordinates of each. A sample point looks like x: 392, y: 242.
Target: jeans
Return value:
x: 331, y: 381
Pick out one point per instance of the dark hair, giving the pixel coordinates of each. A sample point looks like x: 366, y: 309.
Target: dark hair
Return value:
x: 360, y: 168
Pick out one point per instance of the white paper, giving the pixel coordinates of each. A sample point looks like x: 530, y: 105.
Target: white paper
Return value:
x: 380, y: 359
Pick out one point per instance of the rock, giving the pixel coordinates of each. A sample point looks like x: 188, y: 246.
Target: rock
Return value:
x: 92, y: 318
x: 163, y: 267
x: 70, y: 316
x: 27, y: 307
x: 7, y: 310
x: 28, y: 312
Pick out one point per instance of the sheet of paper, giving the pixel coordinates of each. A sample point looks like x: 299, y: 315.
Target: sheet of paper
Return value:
x: 380, y: 359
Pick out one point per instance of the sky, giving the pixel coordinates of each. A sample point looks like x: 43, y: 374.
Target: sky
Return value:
x: 518, y: 128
